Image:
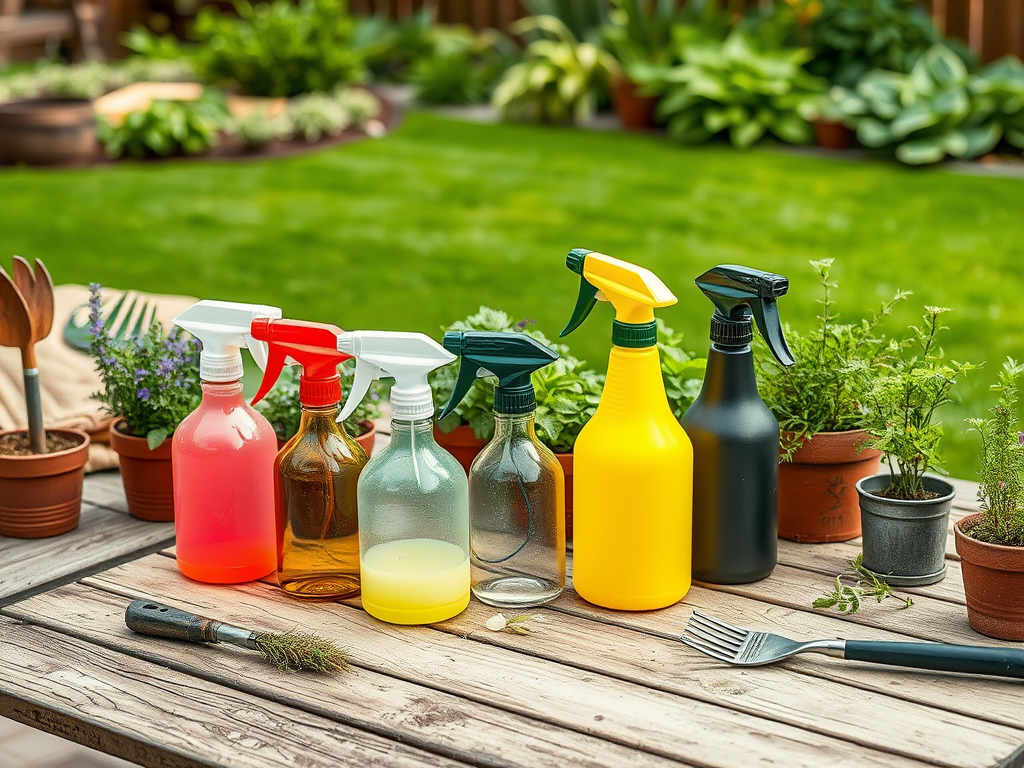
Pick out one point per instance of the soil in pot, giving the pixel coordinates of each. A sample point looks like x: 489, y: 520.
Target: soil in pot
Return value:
x: 41, y: 495
x: 147, y: 477
x: 993, y: 583
x: 461, y: 443
x: 818, y: 499
x: 47, y: 132
x: 905, y: 541
x: 636, y: 112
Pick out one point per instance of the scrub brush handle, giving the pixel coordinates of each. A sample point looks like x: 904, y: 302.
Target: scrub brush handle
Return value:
x: 148, y: 617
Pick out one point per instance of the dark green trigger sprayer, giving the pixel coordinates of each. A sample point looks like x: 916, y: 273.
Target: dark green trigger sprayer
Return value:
x: 516, y: 485
x: 735, y: 437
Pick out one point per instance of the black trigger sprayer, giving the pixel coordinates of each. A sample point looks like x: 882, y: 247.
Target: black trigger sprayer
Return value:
x: 735, y: 437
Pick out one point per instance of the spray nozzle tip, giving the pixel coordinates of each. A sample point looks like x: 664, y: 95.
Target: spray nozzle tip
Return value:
x: 453, y: 342
x: 577, y: 256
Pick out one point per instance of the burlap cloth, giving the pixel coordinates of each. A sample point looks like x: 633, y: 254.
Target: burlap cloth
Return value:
x: 67, y: 377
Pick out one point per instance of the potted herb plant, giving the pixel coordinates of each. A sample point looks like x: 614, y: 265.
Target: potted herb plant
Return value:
x: 819, y: 403
x: 991, y: 543
x: 905, y: 512
x: 150, y: 383
x: 281, y: 408
x: 41, y: 470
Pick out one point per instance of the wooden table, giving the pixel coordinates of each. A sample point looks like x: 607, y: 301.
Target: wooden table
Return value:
x: 593, y: 687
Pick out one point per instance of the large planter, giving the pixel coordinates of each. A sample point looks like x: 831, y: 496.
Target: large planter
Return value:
x: 905, y: 541
x: 460, y: 443
x: 41, y: 495
x: 565, y: 459
x: 636, y: 112
x: 832, y: 134
x: 147, y: 477
x: 47, y: 131
x: 817, y: 489
x: 993, y: 583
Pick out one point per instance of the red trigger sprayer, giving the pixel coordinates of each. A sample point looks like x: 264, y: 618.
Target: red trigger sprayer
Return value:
x: 317, y: 470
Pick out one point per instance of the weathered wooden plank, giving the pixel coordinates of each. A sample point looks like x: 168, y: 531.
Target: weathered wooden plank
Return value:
x: 985, y: 698
x: 101, y: 537
x: 627, y: 713
x: 401, y: 710
x: 105, y: 489
x: 158, y: 717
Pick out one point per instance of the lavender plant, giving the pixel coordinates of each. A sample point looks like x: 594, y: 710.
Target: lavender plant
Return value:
x: 151, y: 381
x: 1001, y: 488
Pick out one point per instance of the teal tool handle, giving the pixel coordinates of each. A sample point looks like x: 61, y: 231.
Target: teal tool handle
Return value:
x: 34, y: 405
x: 1005, y: 662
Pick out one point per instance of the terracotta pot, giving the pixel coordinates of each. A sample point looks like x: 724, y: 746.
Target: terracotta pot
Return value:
x: 42, y: 495
x: 993, y: 583
x: 460, y: 443
x: 146, y: 474
x: 636, y: 113
x: 818, y: 499
x: 47, y: 131
x: 565, y: 459
x: 832, y: 134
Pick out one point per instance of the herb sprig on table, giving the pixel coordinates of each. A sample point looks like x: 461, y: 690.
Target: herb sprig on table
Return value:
x: 853, y: 587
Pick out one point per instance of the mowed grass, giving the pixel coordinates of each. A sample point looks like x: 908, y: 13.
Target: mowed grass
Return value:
x: 420, y: 228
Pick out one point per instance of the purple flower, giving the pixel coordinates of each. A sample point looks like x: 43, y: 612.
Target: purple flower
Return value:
x: 140, y: 374
x: 521, y: 325
x: 143, y: 394
x: 165, y: 367
x: 1020, y: 438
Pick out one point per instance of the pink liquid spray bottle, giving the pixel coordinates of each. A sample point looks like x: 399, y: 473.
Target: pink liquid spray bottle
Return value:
x: 223, y: 456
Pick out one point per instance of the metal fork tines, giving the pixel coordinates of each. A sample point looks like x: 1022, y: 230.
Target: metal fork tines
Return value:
x: 735, y: 645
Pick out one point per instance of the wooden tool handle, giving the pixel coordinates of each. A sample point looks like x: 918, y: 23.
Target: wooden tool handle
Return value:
x: 151, y: 618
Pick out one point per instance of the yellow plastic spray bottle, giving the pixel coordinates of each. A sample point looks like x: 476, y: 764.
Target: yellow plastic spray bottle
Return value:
x: 633, y: 463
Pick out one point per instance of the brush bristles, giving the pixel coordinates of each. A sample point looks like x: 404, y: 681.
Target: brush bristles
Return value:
x: 297, y: 651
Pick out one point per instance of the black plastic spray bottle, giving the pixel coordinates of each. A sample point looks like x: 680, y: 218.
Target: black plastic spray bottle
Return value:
x: 735, y: 437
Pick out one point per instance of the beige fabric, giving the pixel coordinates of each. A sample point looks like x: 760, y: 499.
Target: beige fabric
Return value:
x: 67, y: 377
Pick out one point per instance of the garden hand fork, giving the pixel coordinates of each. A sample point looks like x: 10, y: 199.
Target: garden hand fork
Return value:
x: 747, y: 648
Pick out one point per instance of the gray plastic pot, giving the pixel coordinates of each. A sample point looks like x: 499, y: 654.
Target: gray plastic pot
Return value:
x: 905, y: 541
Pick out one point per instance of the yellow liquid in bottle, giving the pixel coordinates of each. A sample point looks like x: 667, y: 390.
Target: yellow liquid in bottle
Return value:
x: 415, y: 581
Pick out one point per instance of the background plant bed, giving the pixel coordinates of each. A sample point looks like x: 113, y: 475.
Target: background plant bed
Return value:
x: 147, y: 477
x: 993, y: 583
x: 41, y: 495
x: 905, y: 541
x: 817, y: 489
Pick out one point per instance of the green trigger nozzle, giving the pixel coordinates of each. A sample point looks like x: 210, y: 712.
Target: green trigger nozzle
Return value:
x: 587, y: 298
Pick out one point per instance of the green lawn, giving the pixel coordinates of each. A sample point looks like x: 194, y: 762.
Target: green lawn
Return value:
x: 420, y: 228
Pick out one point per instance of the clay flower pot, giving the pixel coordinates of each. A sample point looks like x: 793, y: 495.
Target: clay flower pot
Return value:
x: 636, y: 112
x: 832, y: 134
x: 818, y: 489
x: 146, y: 474
x: 47, y: 131
x: 905, y: 541
x: 565, y: 459
x: 460, y: 443
x: 993, y: 583
x: 41, y: 495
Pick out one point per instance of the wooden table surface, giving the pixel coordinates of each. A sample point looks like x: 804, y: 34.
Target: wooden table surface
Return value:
x: 592, y: 688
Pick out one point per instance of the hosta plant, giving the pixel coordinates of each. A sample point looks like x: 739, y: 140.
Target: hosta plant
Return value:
x: 938, y: 110
x: 167, y: 128
x: 734, y: 88
x: 1001, y: 486
x: 559, y: 78
x: 999, y: 90
x: 463, y: 66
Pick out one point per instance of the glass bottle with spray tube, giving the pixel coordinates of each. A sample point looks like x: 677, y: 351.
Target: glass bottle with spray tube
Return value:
x: 516, y: 485
x: 413, y: 495
x: 317, y: 471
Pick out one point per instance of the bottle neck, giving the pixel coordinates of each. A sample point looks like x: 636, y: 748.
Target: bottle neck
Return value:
x: 316, y: 415
x: 408, y: 433
x: 509, y: 426
x: 730, y: 375
x: 222, y: 390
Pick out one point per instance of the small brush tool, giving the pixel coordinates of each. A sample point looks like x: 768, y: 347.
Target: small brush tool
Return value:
x: 290, y: 651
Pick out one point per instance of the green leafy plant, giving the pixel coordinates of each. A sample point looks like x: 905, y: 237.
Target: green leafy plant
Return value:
x: 639, y: 32
x: 558, y: 80
x: 167, y: 128
x: 568, y: 393
x: 999, y: 90
x: 390, y: 48
x: 463, y: 67
x: 87, y: 80
x: 853, y: 587
x: 935, y: 111
x: 826, y: 390
x: 361, y: 105
x: 902, y: 397
x: 732, y: 87
x: 282, y: 409
x: 1001, y: 486
x: 151, y: 382
x: 682, y: 373
x: 257, y: 129
x: 316, y: 115
x: 279, y: 48
x: 149, y: 45
x: 583, y: 19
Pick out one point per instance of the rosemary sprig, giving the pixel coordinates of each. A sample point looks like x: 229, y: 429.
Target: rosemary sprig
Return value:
x: 848, y: 597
